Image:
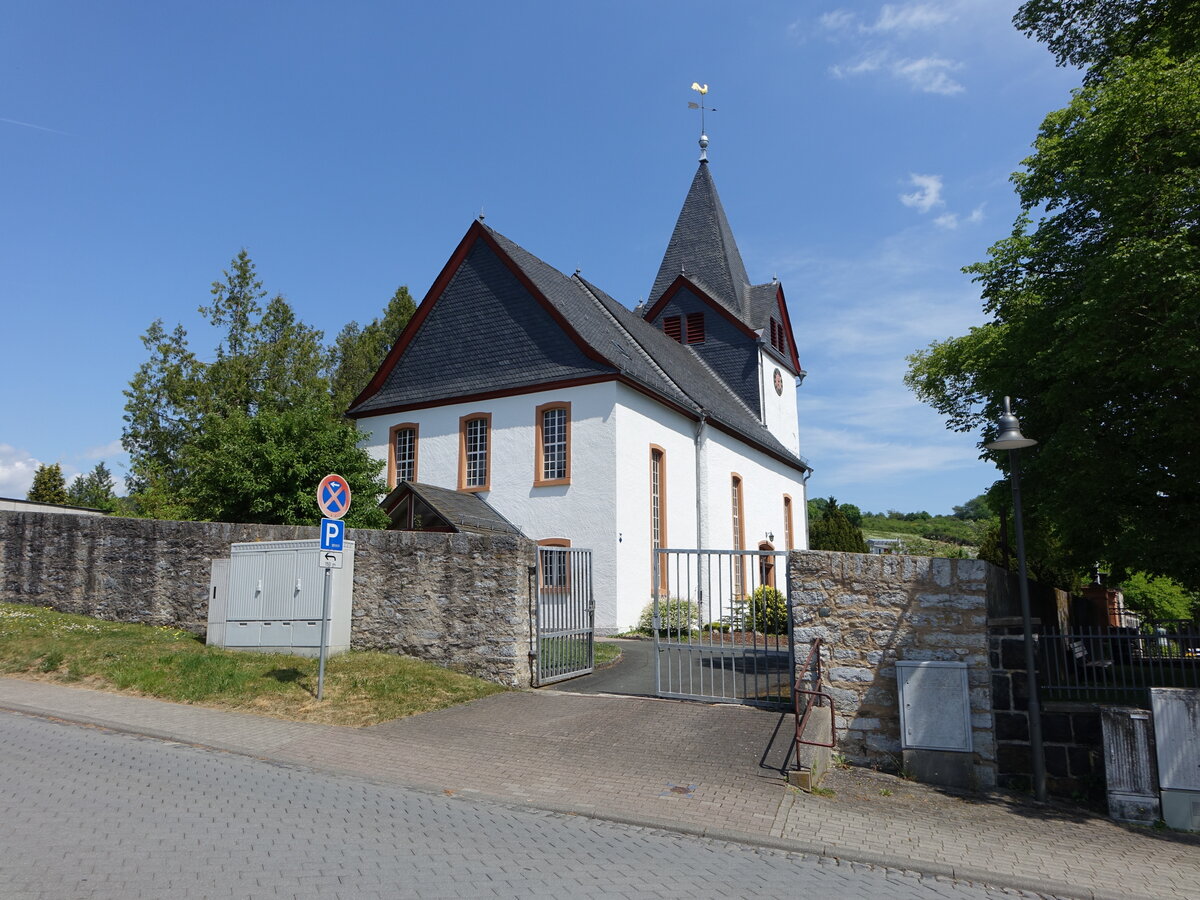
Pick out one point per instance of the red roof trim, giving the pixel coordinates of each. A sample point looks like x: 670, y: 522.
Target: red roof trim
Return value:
x: 487, y: 395
x: 682, y: 281
x: 474, y: 233
x: 791, y: 338
x: 426, y: 306
x: 549, y: 307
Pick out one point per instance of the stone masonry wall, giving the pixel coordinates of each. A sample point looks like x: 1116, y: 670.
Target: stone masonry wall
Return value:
x: 461, y: 601
x: 871, y: 610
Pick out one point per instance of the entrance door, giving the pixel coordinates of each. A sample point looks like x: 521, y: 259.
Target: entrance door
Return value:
x: 722, y: 632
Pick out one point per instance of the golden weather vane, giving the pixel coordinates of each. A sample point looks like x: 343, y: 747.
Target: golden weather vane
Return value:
x: 701, y: 89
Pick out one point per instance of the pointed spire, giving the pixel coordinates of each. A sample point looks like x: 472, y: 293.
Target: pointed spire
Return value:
x: 702, y: 247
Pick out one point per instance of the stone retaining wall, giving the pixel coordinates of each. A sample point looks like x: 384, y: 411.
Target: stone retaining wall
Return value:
x: 872, y: 610
x: 461, y: 601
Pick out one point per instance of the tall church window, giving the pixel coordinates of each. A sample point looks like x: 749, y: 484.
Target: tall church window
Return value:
x: 739, y: 534
x: 658, y: 511
x: 552, y: 463
x: 474, y: 471
x: 787, y: 523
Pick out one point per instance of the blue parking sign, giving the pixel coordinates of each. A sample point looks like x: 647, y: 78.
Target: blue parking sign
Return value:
x: 332, y: 533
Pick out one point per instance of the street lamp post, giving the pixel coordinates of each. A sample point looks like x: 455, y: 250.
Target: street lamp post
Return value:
x: 1011, y: 439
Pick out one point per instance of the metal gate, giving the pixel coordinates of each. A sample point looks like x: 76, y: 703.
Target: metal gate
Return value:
x: 565, y: 614
x: 722, y: 629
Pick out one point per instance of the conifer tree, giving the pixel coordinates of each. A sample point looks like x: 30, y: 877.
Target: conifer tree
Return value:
x: 834, y: 531
x: 49, y: 486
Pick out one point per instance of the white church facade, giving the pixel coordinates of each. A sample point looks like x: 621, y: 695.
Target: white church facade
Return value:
x: 583, y: 423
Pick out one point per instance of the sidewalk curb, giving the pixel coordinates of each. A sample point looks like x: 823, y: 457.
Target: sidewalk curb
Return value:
x: 811, y: 848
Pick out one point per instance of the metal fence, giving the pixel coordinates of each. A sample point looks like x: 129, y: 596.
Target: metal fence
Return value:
x: 722, y: 630
x: 1118, y: 665
x: 565, y: 615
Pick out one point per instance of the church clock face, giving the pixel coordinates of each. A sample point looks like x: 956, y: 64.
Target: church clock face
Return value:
x: 779, y: 382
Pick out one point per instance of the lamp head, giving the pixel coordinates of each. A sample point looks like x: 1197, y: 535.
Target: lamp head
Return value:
x: 1010, y: 437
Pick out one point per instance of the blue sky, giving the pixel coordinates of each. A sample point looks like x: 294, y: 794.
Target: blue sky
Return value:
x: 862, y: 151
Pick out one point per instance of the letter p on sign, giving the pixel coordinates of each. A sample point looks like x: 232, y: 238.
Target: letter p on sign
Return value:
x: 333, y: 531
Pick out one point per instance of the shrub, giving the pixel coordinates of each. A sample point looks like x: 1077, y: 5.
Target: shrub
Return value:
x: 768, y: 611
x: 674, y: 615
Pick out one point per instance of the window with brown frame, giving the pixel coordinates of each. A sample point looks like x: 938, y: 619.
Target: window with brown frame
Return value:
x: 787, y: 523
x: 474, y: 435
x: 556, y: 571
x: 658, y: 510
x: 673, y: 328
x: 402, y: 453
x: 766, y: 564
x: 695, y: 328
x: 552, y: 453
x: 739, y: 534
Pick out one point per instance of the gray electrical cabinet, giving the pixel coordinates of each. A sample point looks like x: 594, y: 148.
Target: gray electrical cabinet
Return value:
x: 1177, y: 746
x: 1129, y: 764
x: 274, y: 598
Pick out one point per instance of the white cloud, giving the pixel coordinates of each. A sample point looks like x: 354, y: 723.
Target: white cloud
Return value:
x: 927, y: 195
x: 928, y: 74
x: 951, y: 221
x: 910, y: 17
x: 105, y: 451
x: 838, y: 20
x: 16, y: 472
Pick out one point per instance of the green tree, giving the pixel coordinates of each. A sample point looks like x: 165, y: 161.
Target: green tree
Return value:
x: 833, y: 531
x: 248, y: 436
x: 1094, y: 300
x: 162, y: 410
x: 359, y: 352
x: 94, y: 490
x: 1159, y: 599
x: 49, y: 486
x: 974, y: 509
x: 265, y: 467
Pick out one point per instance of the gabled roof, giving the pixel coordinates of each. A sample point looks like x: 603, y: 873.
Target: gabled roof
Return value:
x: 458, y: 511
x: 569, y: 332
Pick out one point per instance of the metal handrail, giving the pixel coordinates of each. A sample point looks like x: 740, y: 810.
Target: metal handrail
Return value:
x: 797, y: 691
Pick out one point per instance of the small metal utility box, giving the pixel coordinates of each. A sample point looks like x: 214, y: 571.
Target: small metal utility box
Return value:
x: 275, y: 594
x: 935, y: 705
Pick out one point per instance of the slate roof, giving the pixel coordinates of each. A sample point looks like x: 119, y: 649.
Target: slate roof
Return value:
x: 463, y: 512
x: 642, y: 352
x: 702, y: 249
x: 493, y: 337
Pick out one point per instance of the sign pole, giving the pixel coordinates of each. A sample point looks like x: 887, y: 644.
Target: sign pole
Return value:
x: 333, y: 498
x: 324, y: 635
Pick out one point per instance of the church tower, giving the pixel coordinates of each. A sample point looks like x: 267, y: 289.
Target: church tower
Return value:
x: 703, y: 298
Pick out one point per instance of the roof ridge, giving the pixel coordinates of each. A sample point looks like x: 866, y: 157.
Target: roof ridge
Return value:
x: 694, y: 355
x: 638, y: 344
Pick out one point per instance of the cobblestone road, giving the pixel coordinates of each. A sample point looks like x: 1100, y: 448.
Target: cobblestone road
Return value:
x: 89, y: 813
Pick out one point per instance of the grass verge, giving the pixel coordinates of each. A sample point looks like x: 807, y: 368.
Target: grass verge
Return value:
x: 361, y: 688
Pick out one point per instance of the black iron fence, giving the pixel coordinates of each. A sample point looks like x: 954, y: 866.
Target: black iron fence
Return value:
x: 1117, y: 665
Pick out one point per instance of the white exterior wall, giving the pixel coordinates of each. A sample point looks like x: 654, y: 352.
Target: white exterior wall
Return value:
x: 583, y: 511
x: 607, y: 506
x: 779, y: 411
x: 642, y: 422
x: 764, y: 482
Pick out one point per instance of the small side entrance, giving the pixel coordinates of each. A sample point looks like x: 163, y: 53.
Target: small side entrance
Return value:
x: 565, y: 615
x: 722, y: 630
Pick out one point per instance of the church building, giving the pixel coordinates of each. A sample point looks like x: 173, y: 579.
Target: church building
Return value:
x: 533, y: 401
